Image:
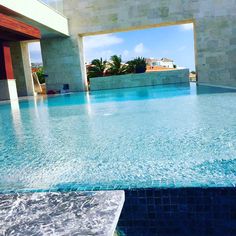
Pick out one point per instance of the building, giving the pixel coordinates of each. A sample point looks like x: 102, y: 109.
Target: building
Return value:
x: 164, y: 62
x: 61, y: 24
x: 22, y: 22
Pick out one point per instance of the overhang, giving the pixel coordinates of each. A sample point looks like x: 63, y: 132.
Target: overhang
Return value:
x: 37, y: 14
x: 15, y: 30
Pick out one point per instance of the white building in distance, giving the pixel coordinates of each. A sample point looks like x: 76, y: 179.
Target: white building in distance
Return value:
x: 164, y: 62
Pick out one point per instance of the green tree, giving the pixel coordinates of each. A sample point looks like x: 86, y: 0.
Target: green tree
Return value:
x: 41, y: 76
x: 97, y: 68
x: 137, y: 65
x: 115, y: 66
x: 131, y: 66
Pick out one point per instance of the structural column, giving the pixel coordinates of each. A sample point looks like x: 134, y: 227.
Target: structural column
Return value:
x: 61, y: 61
x: 22, y: 68
x: 7, y: 81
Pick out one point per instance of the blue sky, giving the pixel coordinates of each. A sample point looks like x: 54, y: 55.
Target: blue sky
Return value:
x: 174, y: 42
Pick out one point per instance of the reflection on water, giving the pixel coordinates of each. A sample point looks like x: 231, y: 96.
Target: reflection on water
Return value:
x: 133, y: 94
x: 120, y: 95
x: 16, y: 117
x: 201, y: 89
x: 143, y: 137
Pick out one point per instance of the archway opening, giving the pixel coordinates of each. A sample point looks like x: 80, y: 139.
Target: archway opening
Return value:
x: 38, y: 74
x: 164, y: 48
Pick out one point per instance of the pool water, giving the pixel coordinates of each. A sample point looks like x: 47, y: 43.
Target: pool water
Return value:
x: 163, y: 136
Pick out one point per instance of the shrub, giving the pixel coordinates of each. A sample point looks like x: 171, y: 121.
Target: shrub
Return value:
x: 40, y: 74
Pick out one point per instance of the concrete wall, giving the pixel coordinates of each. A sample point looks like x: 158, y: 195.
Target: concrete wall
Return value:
x: 214, y: 21
x: 61, y: 59
x: 139, y: 80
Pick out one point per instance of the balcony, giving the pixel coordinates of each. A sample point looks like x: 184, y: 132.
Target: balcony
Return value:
x: 37, y: 14
x: 55, y: 4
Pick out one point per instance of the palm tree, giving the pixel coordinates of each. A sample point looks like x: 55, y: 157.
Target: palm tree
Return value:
x: 131, y: 66
x: 137, y: 65
x: 97, y: 68
x: 140, y: 64
x: 115, y: 66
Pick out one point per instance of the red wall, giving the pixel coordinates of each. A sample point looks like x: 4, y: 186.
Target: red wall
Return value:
x: 6, y: 70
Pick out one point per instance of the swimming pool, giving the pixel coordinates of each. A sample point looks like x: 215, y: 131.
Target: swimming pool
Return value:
x: 163, y: 136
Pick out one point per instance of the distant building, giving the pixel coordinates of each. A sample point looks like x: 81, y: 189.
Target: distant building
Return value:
x: 164, y: 62
x: 36, y: 65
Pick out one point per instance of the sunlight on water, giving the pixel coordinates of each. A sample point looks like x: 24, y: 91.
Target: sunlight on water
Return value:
x: 164, y: 136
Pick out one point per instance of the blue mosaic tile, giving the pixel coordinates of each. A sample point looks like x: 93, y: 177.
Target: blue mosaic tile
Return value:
x: 179, y: 211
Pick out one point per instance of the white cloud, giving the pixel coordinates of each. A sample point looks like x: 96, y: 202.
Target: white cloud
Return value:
x: 34, y: 47
x: 106, y: 54
x: 125, y: 55
x: 185, y: 27
x: 139, y: 48
x: 99, y: 46
x: 35, y: 52
x: 101, y: 41
x: 180, y: 49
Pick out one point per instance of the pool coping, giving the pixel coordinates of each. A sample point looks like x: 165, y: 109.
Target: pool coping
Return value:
x: 61, y: 213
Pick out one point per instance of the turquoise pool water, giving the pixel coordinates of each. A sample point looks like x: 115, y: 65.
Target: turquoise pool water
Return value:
x: 163, y: 136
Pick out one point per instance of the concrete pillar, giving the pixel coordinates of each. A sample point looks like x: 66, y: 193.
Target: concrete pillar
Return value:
x: 61, y: 61
x: 216, y: 51
x: 8, y: 90
x: 7, y: 81
x: 22, y: 68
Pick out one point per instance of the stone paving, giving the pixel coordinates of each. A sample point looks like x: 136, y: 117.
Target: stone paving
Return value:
x: 60, y: 213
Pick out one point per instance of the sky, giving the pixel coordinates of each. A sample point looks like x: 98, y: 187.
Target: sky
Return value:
x: 35, y: 52
x: 174, y: 42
